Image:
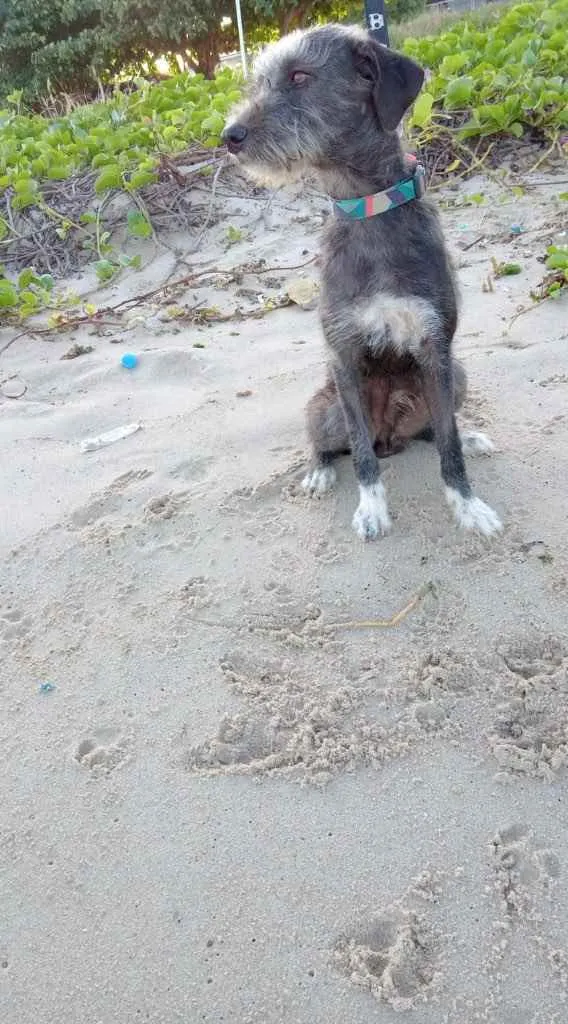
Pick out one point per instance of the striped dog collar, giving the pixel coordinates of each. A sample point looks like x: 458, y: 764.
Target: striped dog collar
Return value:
x: 403, y: 192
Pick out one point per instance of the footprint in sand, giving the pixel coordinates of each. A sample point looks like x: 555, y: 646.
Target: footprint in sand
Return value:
x: 530, y: 733
x: 198, y: 592
x: 14, y: 625
x: 165, y: 506
x: 394, y: 955
x: 298, y: 723
x: 103, y: 750
x: 530, y: 737
x: 263, y: 508
x: 524, y: 870
x: 534, y: 657
x: 110, y: 501
x: 552, y: 425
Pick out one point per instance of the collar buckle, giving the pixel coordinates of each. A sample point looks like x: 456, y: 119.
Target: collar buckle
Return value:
x: 419, y: 179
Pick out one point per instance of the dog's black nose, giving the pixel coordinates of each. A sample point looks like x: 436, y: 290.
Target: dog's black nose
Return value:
x: 234, y: 136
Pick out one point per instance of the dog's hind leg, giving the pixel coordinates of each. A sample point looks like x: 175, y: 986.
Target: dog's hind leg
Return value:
x: 327, y: 431
x: 470, y: 512
x: 460, y: 392
x: 474, y: 442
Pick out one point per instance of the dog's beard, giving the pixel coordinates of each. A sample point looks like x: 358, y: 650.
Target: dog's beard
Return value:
x: 272, y: 158
x: 272, y: 175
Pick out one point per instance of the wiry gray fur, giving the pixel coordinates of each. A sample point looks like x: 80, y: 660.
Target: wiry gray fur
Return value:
x: 328, y: 101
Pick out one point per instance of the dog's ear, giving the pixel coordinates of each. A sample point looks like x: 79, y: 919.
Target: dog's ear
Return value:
x: 395, y: 80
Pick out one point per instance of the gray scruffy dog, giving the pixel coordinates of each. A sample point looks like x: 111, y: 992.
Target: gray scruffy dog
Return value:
x: 328, y: 101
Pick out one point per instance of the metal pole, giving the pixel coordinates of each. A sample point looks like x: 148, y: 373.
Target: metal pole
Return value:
x: 376, y: 19
x: 241, y: 37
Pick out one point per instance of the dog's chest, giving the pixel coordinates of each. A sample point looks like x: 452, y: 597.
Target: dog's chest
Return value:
x: 381, y: 323
x: 400, y: 324
x: 368, y: 289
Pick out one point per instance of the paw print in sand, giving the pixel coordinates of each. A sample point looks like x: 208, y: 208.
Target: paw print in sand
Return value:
x: 103, y: 750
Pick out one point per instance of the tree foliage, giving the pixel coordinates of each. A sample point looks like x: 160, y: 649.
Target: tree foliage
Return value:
x: 70, y: 45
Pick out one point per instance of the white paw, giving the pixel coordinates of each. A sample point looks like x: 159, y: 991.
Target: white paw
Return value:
x: 319, y: 480
x: 372, y: 516
x: 476, y: 443
x: 473, y: 514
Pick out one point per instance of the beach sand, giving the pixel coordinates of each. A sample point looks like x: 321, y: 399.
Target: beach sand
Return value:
x: 232, y: 803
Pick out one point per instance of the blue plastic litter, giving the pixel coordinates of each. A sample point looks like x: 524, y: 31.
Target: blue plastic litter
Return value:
x: 46, y: 687
x: 129, y: 360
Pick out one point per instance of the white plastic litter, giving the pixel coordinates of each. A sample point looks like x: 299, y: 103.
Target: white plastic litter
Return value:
x: 92, y: 444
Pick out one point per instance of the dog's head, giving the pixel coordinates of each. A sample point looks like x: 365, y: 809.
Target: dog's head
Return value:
x: 314, y: 95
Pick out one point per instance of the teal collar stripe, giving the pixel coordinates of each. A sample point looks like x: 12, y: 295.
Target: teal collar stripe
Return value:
x: 403, y: 192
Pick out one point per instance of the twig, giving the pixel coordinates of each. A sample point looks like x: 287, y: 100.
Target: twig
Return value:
x: 11, y: 341
x: 520, y: 312
x: 98, y: 224
x: 470, y: 245
x: 298, y: 266
x: 97, y: 318
x: 210, y: 210
x: 545, y: 155
x: 394, y: 620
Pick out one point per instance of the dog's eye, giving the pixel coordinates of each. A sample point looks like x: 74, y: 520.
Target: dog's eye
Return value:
x: 299, y: 77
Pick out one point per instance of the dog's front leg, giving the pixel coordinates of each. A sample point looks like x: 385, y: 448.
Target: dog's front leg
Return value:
x: 371, y: 517
x: 470, y: 511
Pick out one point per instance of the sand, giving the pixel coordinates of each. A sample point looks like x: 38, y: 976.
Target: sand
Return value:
x: 231, y: 804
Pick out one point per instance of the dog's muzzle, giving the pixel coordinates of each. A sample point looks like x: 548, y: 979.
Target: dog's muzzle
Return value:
x: 234, y: 136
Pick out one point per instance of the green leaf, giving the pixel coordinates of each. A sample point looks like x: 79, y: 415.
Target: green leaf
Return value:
x: 15, y: 97
x: 138, y: 225
x: 422, y: 110
x: 46, y: 281
x: 138, y: 179
x: 100, y: 160
x: 8, y: 295
x: 458, y: 93
x: 170, y: 133
x: 557, y: 261
x: 25, y: 186
x: 234, y: 234
x: 110, y: 177
x: 563, y: 196
x: 59, y: 172
x: 22, y: 201
x: 105, y: 270
x: 213, y: 125
x: 508, y: 269
x: 27, y: 277
x: 453, y: 63
x: 30, y: 299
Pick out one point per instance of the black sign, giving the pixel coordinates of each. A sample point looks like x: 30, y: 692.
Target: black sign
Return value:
x: 376, y: 18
